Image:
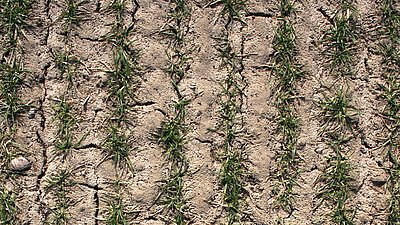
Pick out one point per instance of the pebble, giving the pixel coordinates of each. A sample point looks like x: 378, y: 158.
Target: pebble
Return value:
x: 20, y: 164
x: 31, y: 113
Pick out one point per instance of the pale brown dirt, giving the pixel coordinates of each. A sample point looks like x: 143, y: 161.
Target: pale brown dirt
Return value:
x: 202, y: 187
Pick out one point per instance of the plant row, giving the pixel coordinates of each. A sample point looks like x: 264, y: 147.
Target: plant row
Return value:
x: 13, y: 20
x: 338, y: 114
x: 60, y: 182
x: 389, y: 48
x: 231, y: 124
x: 123, y: 81
x: 171, y: 135
x: 287, y: 72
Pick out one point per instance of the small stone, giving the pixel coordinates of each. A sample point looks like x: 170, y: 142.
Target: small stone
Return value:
x: 20, y: 164
x: 319, y: 150
x: 31, y: 113
x: 364, y: 150
x: 379, y: 180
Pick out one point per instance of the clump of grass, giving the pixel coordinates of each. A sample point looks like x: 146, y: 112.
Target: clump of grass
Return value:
x: 124, y: 78
x: 390, y: 92
x: 116, y: 214
x: 8, y: 208
x: 287, y: 72
x: 232, y: 9
x: 337, y: 178
x: 231, y: 122
x: 59, y: 184
x: 174, y: 194
x: 337, y: 112
x: 11, y: 79
x: 13, y: 16
x: 66, y: 122
x: 67, y: 64
x: 171, y: 136
x: 118, y: 148
x: 72, y: 14
x: 123, y: 81
x: 340, y: 40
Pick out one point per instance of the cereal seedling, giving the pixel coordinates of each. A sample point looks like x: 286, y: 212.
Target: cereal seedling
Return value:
x: 59, y: 184
x: 116, y: 209
x: 118, y: 149
x: 13, y: 16
x: 340, y: 40
x: 72, y: 13
x: 11, y: 78
x: 8, y: 208
x: 67, y: 64
x: 337, y: 112
x: 67, y: 122
x: 231, y: 9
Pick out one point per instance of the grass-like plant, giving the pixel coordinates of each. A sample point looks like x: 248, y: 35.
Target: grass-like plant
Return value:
x: 59, y: 184
x: 116, y: 208
x: 66, y: 123
x: 8, y: 208
x: 338, y: 116
x: 118, y: 148
x: 13, y: 17
x: 340, y: 40
x: 72, y: 14
x: 231, y: 10
x: 67, y: 64
x: 12, y: 75
x: 124, y: 77
x: 337, y: 112
x: 336, y: 179
x: 231, y: 125
x: 390, y: 91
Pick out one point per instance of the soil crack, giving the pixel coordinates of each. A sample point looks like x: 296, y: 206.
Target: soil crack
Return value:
x: 260, y: 14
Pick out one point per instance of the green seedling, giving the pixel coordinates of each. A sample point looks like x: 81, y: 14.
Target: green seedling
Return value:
x: 340, y: 41
x: 67, y: 64
x: 118, y: 149
x: 336, y: 178
x: 391, y: 21
x: 287, y: 73
x: 6, y: 144
x: 173, y: 192
x: 231, y: 180
x: 389, y: 91
x: 232, y: 9
x: 116, y: 212
x: 171, y: 134
x: 286, y: 8
x: 72, y: 14
x: 337, y: 112
x: 11, y: 78
x: 123, y: 79
x: 13, y: 16
x: 8, y: 208
x: 67, y: 122
x: 232, y: 171
x: 60, y: 184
